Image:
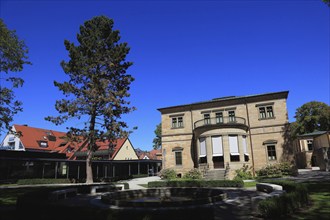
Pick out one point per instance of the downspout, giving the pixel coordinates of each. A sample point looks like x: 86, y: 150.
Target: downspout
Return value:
x: 193, y: 139
x: 249, y: 130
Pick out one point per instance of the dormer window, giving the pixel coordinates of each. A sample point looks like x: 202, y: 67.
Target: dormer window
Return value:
x: 43, y: 144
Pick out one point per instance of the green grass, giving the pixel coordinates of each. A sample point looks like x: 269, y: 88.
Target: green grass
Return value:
x: 250, y: 184
x: 8, y: 197
x: 320, y: 203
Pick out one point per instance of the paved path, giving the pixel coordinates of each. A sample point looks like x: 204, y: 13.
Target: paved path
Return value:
x: 135, y: 183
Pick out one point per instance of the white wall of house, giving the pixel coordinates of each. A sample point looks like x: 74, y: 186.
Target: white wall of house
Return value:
x: 12, y: 142
x: 126, y: 152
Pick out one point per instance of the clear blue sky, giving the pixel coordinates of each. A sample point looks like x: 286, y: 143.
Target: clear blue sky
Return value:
x: 183, y: 52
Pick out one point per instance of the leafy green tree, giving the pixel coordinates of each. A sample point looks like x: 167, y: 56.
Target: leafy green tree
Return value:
x: 98, y: 88
x: 157, y: 141
x: 327, y: 2
x: 12, y: 59
x: 311, y: 116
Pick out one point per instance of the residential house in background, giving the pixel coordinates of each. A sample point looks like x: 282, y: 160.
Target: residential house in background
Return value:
x: 45, y: 140
x: 221, y: 135
x: 313, y: 150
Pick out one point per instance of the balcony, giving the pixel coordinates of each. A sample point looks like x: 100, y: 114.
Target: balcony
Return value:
x: 222, y: 122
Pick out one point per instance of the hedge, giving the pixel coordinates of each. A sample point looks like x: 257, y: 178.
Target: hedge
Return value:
x: 296, y: 196
x: 196, y: 183
x: 42, y: 181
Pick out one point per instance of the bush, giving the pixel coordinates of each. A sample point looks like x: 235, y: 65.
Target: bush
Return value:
x: 277, y: 170
x: 167, y: 174
x: 243, y: 173
x: 42, y: 181
x: 193, y: 174
x: 295, y: 198
x: 196, y: 183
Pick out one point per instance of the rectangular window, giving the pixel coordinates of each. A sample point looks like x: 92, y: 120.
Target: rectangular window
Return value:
x: 177, y: 122
x: 202, y: 144
x: 271, y: 152
x: 246, y: 154
x: 178, y: 158
x: 180, y: 122
x: 231, y: 115
x: 310, y: 145
x: 233, y: 145
x: 270, y: 113
x: 262, y: 112
x: 219, y: 117
x: 174, y: 123
x: 217, y: 146
x: 266, y: 112
x: 207, y: 119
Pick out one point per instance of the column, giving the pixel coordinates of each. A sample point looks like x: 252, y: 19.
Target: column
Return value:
x: 209, y: 153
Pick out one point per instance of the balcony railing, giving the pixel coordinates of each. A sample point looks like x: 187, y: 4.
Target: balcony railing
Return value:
x: 220, y: 121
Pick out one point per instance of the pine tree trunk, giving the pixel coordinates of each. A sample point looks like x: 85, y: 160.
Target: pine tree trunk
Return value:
x: 89, y: 171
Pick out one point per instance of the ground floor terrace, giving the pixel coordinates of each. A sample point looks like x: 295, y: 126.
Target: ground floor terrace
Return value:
x: 18, y: 165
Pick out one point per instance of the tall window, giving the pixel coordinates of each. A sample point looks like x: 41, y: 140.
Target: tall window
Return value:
x: 178, y: 158
x: 233, y: 145
x: 310, y: 145
x: 266, y: 112
x: 177, y: 122
x: 231, y: 115
x: 207, y: 119
x: 246, y: 154
x: 219, y: 117
x: 271, y: 151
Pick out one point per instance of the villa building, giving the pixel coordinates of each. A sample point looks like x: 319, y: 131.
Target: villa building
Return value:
x: 221, y: 135
x: 313, y: 150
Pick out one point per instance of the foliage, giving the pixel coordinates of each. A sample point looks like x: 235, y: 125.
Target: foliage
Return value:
x: 327, y: 2
x: 12, y: 59
x: 277, y: 170
x: 157, y: 141
x: 196, y: 183
x: 193, y: 174
x: 98, y: 86
x: 243, y: 173
x: 168, y: 174
x: 276, y: 207
x: 311, y: 116
x: 41, y: 181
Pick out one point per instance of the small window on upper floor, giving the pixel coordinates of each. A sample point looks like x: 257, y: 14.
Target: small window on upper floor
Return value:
x: 219, y: 117
x: 266, y: 112
x: 177, y: 122
x: 310, y: 145
x: 207, y: 119
x: 231, y: 116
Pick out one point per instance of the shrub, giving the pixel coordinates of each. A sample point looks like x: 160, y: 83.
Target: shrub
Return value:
x: 196, y: 183
x: 277, y: 170
x: 243, y: 173
x: 41, y: 181
x: 193, y: 174
x: 275, y: 207
x: 167, y: 174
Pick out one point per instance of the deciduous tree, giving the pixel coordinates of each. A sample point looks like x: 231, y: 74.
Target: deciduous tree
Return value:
x: 157, y: 141
x: 98, y: 86
x: 311, y: 116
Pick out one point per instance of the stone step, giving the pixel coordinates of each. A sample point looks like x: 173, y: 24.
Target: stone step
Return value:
x: 215, y: 175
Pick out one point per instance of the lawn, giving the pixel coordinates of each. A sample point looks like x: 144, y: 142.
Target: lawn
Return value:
x: 320, y: 202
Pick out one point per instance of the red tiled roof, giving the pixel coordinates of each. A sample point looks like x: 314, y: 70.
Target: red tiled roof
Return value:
x: 31, y: 138
x: 104, y: 145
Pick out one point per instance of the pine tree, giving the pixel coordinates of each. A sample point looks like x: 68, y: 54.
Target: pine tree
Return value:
x: 98, y: 86
x: 12, y: 59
